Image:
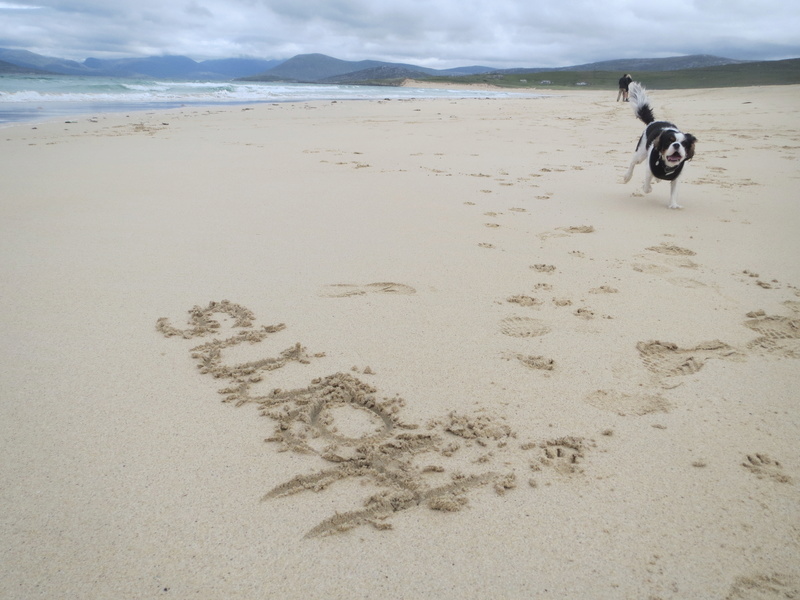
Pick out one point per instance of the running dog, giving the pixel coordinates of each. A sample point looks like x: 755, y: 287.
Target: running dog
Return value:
x: 665, y: 146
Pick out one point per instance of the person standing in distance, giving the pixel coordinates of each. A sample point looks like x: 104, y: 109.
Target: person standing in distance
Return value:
x: 624, y: 82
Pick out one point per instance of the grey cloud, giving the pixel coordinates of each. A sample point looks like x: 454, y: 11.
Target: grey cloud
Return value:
x: 436, y: 33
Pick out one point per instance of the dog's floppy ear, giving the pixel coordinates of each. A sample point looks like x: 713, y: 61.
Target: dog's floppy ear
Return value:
x: 689, y: 142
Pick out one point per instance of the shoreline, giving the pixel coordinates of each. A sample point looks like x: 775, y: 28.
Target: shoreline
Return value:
x: 76, y: 110
x: 152, y: 97
x: 456, y: 357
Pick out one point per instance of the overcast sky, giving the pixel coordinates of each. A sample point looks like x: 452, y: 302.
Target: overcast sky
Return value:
x: 432, y: 33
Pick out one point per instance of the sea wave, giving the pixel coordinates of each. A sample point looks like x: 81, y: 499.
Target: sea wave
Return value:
x: 23, y: 96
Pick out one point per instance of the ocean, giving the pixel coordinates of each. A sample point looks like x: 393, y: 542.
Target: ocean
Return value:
x: 29, y: 98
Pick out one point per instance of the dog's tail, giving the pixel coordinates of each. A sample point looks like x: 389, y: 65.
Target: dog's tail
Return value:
x: 641, y: 103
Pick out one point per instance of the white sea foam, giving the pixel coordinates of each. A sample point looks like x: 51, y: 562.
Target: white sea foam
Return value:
x: 28, y: 97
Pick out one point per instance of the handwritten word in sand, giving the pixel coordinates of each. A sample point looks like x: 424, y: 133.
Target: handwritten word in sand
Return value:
x: 344, y: 427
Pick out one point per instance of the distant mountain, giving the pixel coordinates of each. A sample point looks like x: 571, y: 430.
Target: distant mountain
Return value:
x: 318, y: 68
x: 461, y: 71
x: 178, y: 67
x: 238, y: 67
x: 625, y: 65
x: 393, y: 71
x: 674, y: 63
x: 381, y: 73
x: 152, y: 66
x: 161, y: 67
x: 7, y: 68
x: 313, y: 68
x: 29, y: 60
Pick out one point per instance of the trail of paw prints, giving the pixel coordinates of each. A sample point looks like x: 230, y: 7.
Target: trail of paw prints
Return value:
x: 544, y: 298
x: 764, y: 282
x: 345, y: 290
x: 529, y: 327
x: 342, y: 425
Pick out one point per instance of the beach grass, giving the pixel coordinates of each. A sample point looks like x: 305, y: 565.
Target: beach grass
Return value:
x: 780, y: 72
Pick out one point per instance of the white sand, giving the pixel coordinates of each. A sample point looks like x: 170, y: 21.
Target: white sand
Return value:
x: 483, y: 262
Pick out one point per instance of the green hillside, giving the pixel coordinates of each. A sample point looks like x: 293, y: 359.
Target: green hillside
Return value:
x: 779, y: 72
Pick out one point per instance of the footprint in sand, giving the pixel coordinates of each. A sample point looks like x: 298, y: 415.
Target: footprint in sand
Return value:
x: 762, y: 466
x: 345, y: 290
x: 673, y: 256
x: 565, y: 231
x: 564, y: 455
x: 671, y: 250
x: 778, y: 334
x: 524, y: 300
x: 523, y: 327
x: 667, y: 359
x: 686, y: 282
x: 542, y: 268
x: 604, y: 289
x: 793, y: 305
x: 578, y: 229
x: 628, y: 404
x: 536, y: 363
x: 650, y: 269
x: 772, y: 586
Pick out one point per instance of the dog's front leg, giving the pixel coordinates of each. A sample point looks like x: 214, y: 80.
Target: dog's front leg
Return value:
x: 629, y: 174
x: 673, y: 194
x: 638, y: 157
x: 648, y: 180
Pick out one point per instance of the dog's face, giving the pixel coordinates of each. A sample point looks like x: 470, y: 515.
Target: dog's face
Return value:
x: 676, y: 147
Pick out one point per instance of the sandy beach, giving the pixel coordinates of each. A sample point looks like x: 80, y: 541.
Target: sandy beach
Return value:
x: 421, y: 349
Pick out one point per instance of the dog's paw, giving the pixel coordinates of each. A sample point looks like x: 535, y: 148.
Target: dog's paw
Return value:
x: 627, y: 177
x: 647, y: 188
x: 674, y: 205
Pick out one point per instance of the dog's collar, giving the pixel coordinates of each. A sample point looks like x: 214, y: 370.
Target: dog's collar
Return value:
x: 659, y: 162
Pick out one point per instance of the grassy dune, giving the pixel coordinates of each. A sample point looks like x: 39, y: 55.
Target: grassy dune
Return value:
x: 780, y: 72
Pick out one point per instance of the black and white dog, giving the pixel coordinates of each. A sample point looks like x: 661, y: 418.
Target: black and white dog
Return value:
x: 662, y: 143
